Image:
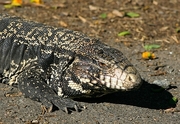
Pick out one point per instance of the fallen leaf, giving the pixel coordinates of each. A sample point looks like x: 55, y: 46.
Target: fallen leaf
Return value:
x: 124, y: 33
x: 63, y: 24
x: 152, y: 46
x: 175, y: 39
x: 5, y: 2
x: 173, y: 100
x: 155, y: 2
x: 169, y: 110
x: 55, y: 17
x: 82, y: 19
x: 97, y: 22
x: 65, y: 13
x: 92, y: 8
x: 164, y: 28
x: 16, y: 2
x: 13, y: 4
x: 117, y: 13
x: 148, y: 55
x: 8, y: 6
x: 110, y: 15
x: 132, y: 14
x: 36, y: 1
x: 103, y: 15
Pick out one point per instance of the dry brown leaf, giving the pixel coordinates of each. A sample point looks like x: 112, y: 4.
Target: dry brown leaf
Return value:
x: 155, y: 2
x: 175, y: 39
x: 98, y: 22
x: 169, y: 110
x: 82, y: 19
x: 65, y: 13
x: 93, y: 7
x: 63, y: 24
x: 110, y: 15
x: 117, y: 13
x: 164, y: 28
x: 55, y: 17
x: 5, y: 2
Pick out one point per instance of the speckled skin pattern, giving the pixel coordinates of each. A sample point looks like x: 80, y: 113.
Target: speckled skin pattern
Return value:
x: 53, y: 65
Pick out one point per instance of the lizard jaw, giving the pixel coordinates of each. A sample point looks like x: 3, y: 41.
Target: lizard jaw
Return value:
x: 121, y: 80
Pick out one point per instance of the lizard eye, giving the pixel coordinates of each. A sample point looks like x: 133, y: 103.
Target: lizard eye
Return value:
x: 102, y: 64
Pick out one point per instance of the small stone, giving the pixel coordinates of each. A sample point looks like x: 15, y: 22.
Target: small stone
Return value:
x: 162, y: 83
x: 35, y: 122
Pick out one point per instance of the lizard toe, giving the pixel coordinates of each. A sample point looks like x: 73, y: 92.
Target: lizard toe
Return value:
x: 66, y: 104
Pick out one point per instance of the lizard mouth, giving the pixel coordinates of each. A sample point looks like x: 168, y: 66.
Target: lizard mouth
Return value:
x: 121, y: 80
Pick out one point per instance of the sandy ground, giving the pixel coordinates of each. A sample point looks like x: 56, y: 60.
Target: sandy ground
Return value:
x: 156, y: 24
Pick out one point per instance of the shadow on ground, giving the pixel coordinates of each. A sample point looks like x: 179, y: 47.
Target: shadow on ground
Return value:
x: 148, y: 96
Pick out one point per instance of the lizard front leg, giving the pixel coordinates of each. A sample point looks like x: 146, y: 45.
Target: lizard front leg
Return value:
x: 33, y: 86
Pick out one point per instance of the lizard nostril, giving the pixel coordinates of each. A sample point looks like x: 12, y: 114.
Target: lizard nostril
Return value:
x: 130, y: 79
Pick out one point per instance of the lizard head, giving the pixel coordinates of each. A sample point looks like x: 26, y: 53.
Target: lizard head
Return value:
x: 102, y: 69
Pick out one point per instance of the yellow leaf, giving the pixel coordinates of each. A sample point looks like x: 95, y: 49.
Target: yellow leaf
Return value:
x: 16, y: 2
x: 148, y: 55
x: 36, y: 1
x: 8, y: 6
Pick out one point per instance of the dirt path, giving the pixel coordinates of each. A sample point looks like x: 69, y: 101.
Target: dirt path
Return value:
x: 156, y: 24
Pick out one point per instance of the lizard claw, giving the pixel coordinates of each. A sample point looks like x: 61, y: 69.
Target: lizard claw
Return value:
x: 66, y: 110
x: 76, y: 108
x: 65, y: 104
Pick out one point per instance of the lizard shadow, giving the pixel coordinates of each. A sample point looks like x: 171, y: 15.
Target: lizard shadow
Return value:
x: 147, y: 96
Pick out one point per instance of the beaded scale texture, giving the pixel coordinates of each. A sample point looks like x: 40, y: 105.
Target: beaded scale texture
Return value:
x: 53, y: 65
